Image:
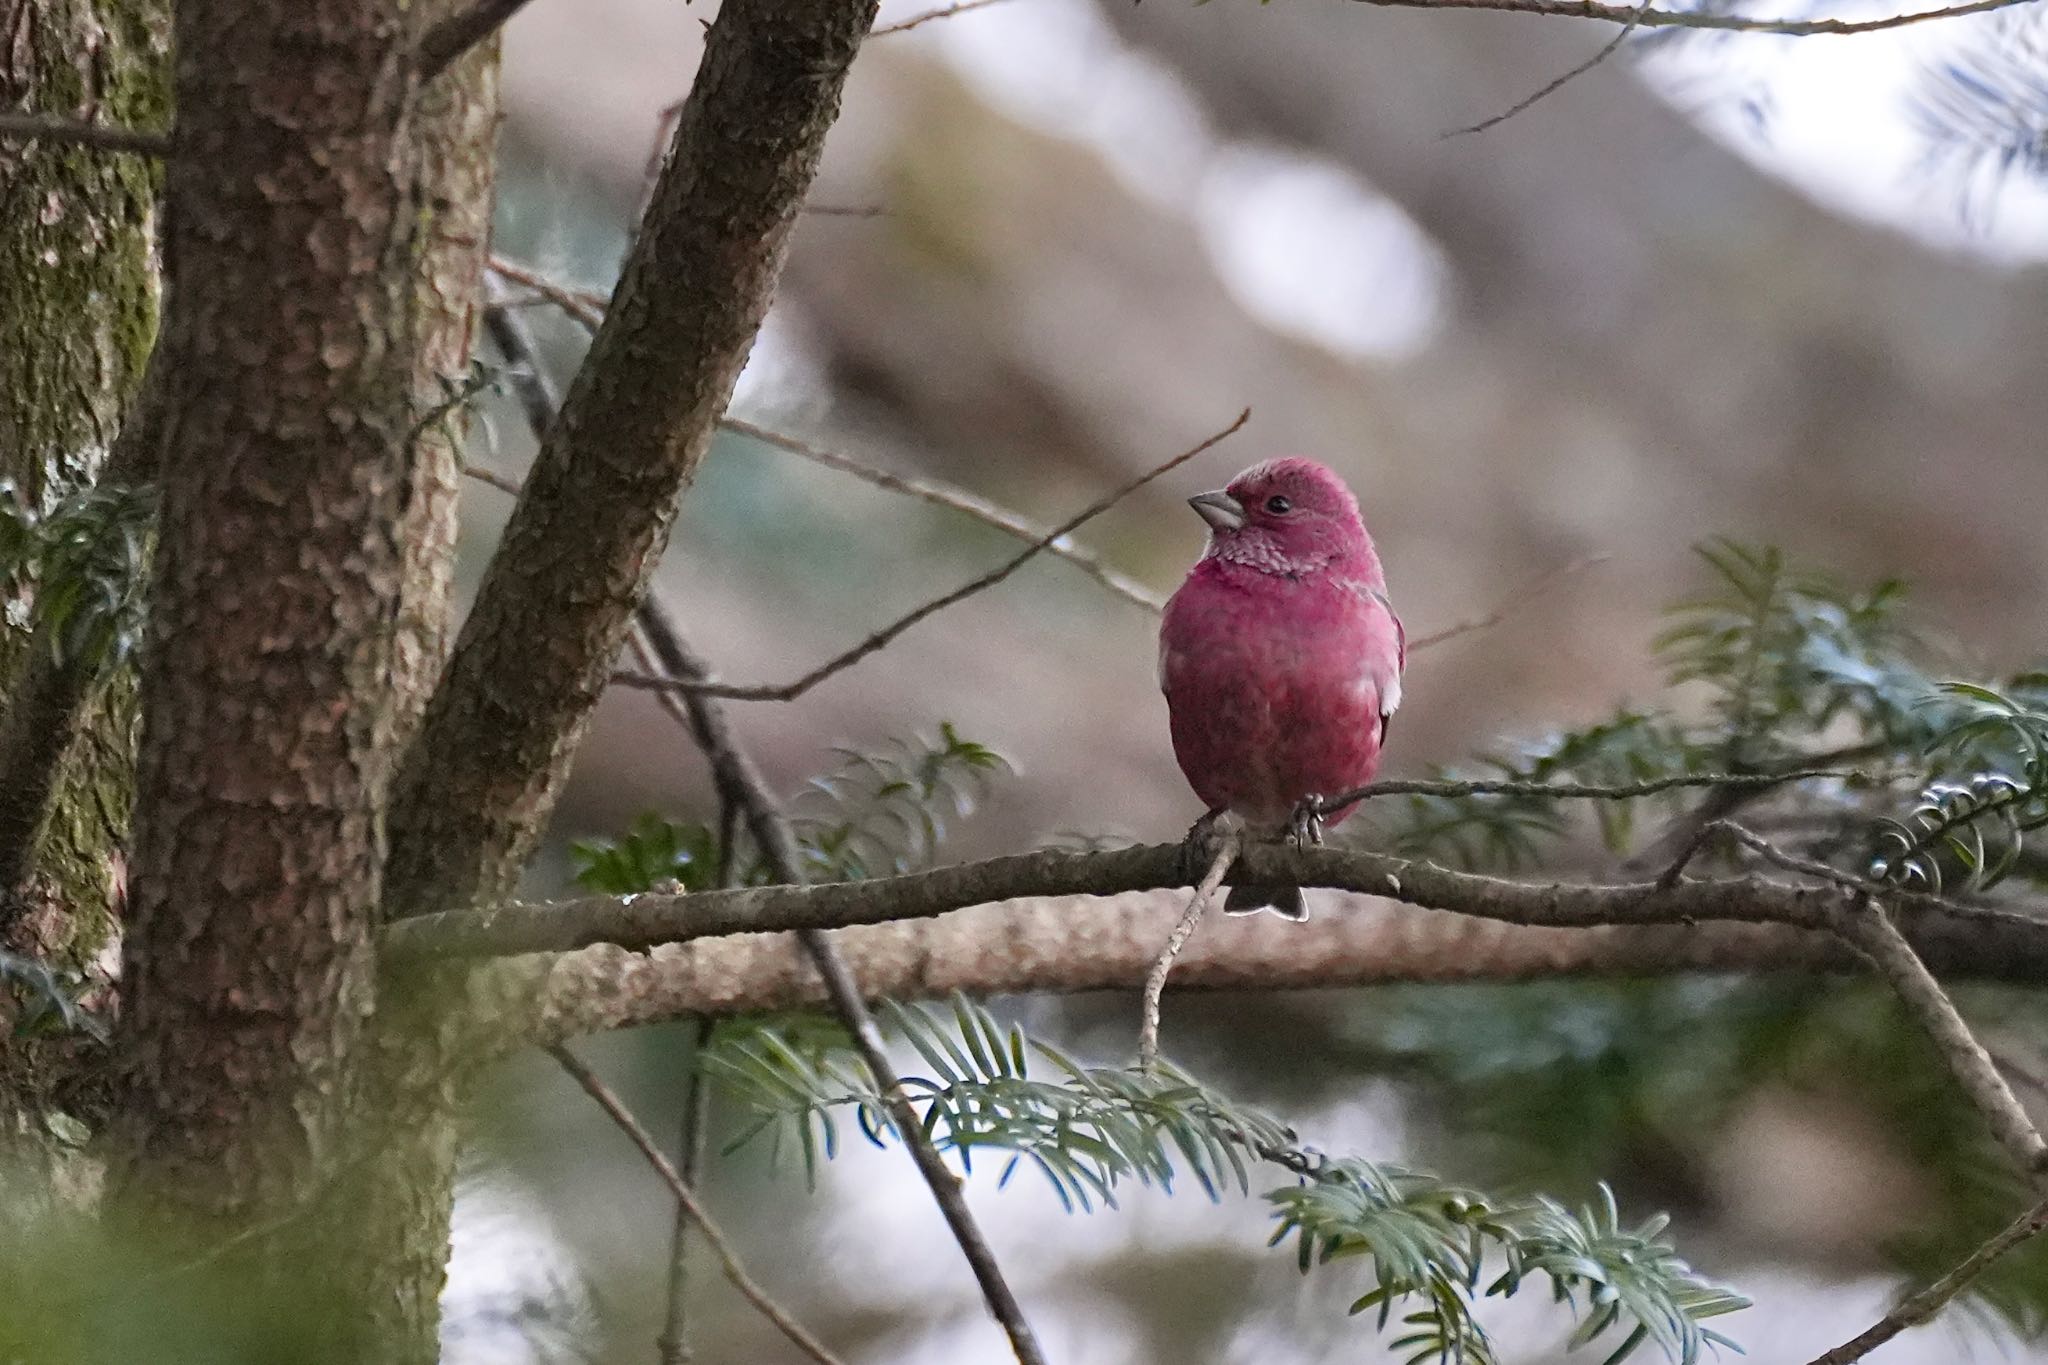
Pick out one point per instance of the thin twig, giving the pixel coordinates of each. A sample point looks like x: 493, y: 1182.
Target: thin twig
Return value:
x: 1607, y: 50
x: 1507, y: 607
x: 1577, y: 791
x: 674, y: 1342
x: 881, y: 638
x: 504, y: 483
x: 1865, y: 927
x: 1922, y: 1306
x: 1863, y: 924
x: 742, y: 790
x: 686, y: 1199
x: 957, y: 499
x: 584, y: 306
x: 77, y: 133
x: 1183, y: 929
x: 1733, y: 23
x: 446, y: 42
x: 740, y: 782
x: 942, y: 12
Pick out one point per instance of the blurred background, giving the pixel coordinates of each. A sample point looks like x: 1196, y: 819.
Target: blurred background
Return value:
x: 1788, y: 290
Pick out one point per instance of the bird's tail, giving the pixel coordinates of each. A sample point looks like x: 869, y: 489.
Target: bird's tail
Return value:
x: 1284, y: 901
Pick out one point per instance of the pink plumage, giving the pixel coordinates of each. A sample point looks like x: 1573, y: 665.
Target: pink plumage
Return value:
x: 1280, y: 656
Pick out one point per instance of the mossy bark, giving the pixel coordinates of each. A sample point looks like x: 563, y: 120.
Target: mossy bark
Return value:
x: 78, y: 313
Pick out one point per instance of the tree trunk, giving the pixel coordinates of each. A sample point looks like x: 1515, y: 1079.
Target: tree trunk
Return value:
x: 268, y: 732
x: 78, y: 313
x: 390, y: 1254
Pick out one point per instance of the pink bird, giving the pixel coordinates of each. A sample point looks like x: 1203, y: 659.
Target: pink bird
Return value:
x: 1280, y: 657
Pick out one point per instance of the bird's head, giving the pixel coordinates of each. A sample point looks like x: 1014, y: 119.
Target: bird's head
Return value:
x: 1290, y: 517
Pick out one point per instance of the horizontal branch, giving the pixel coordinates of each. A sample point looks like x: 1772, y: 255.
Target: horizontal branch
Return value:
x: 78, y: 133
x: 1641, y: 17
x: 1997, y: 942
x: 1070, y: 945
x: 1576, y: 791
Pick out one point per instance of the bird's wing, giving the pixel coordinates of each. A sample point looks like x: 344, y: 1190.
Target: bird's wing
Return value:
x: 1386, y: 672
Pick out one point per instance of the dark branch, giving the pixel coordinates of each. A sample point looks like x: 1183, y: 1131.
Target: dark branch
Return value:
x: 1581, y: 791
x: 475, y: 787
x: 1999, y: 941
x: 447, y: 41
x: 74, y: 133
x: 741, y: 787
x: 686, y: 1199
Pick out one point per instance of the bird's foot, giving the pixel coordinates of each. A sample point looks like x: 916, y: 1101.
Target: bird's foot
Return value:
x: 1305, y: 825
x: 1205, y: 839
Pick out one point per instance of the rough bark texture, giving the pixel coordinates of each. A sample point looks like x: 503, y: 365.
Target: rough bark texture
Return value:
x: 392, y: 1212
x: 554, y: 608
x: 1073, y: 944
x: 268, y: 734
x: 78, y: 305
x: 78, y: 311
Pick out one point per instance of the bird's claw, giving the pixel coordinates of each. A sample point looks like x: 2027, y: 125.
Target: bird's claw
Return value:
x: 1305, y: 825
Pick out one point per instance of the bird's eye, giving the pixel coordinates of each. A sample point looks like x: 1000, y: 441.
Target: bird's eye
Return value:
x: 1278, y: 505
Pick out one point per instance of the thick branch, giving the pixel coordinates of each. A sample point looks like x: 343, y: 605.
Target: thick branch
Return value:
x: 1982, y: 936
x: 537, y: 649
x: 1075, y: 944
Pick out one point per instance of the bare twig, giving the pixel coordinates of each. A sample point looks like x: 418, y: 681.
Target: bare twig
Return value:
x: 1155, y: 980
x: 882, y: 637
x: 942, y: 12
x: 1507, y: 607
x: 504, y: 483
x: 1865, y: 926
x: 76, y: 133
x: 674, y: 1342
x: 1581, y: 791
x: 584, y: 306
x: 740, y: 783
x: 1922, y: 1306
x: 1709, y: 19
x: 1862, y: 923
x: 446, y: 42
x: 1607, y: 50
x: 686, y: 1199
x: 956, y: 499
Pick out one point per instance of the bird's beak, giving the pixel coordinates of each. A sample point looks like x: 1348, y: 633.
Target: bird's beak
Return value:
x: 1219, y: 509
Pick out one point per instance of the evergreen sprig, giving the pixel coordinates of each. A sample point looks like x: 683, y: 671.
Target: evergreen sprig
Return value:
x: 879, y: 812
x: 74, y: 569
x: 1089, y: 1130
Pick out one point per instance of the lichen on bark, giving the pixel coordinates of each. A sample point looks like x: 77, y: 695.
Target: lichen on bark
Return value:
x: 78, y: 314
